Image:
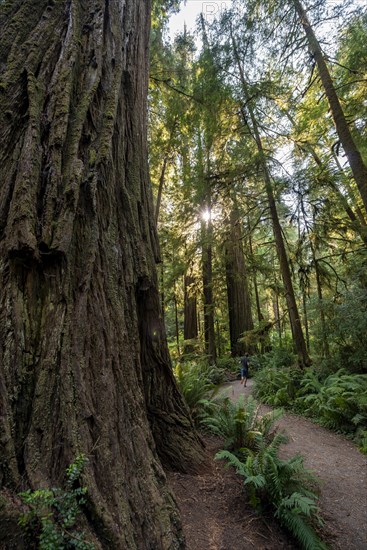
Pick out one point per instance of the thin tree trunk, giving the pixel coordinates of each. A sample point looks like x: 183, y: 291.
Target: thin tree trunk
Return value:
x: 294, y: 317
x: 324, y: 340
x: 305, y: 317
x: 277, y: 316
x: 355, y: 160
x: 177, y: 328
x: 160, y: 187
x: 260, y: 316
x: 84, y: 365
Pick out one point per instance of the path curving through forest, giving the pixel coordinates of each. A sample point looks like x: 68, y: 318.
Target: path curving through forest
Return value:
x: 341, y: 468
x: 217, y: 516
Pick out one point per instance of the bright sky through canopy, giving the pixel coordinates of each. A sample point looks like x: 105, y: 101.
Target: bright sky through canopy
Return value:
x: 190, y: 11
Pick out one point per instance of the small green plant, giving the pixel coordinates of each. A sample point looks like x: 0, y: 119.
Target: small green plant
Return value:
x: 52, y: 513
x: 285, y: 486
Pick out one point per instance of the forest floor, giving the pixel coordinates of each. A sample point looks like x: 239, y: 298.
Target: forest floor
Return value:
x: 217, y: 516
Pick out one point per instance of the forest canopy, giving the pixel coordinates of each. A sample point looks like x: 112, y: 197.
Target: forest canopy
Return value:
x: 258, y: 163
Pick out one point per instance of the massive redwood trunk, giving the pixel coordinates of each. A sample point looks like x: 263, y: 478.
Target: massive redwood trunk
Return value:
x: 84, y: 365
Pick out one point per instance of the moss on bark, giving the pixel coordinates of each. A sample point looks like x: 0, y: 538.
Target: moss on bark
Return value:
x: 79, y: 369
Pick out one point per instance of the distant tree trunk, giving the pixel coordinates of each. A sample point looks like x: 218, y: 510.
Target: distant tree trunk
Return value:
x: 190, y: 313
x: 358, y: 167
x: 207, y: 253
x: 239, y: 302
x: 160, y: 187
x: 176, y: 321
x: 207, y: 261
x: 305, y: 317
x: 277, y: 315
x: 84, y: 365
x: 260, y: 316
x: 294, y: 317
x: 325, y: 352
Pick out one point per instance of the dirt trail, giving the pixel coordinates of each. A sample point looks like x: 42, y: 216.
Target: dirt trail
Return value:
x: 341, y: 468
x: 216, y: 515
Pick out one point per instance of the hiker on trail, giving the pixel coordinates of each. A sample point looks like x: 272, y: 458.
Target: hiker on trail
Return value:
x: 245, y: 361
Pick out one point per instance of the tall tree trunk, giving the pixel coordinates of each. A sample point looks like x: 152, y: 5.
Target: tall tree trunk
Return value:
x: 176, y: 320
x: 239, y: 303
x: 324, y: 340
x: 84, y: 365
x: 276, y: 310
x: 260, y: 316
x: 160, y: 187
x: 207, y: 261
x: 358, y: 167
x: 294, y: 317
x: 190, y: 313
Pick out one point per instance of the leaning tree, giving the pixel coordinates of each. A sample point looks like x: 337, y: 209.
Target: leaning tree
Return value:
x: 84, y: 365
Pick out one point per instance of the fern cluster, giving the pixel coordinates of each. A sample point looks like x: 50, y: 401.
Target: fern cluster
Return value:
x: 51, y: 515
x: 238, y: 422
x: 285, y: 486
x: 338, y: 401
x: 196, y: 384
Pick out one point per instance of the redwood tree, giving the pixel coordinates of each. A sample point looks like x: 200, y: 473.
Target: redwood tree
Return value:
x: 239, y: 302
x: 84, y: 365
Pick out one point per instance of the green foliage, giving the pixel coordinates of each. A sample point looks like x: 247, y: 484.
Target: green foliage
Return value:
x: 348, y: 329
x: 52, y: 513
x: 278, y: 386
x: 338, y: 402
x: 284, y: 485
x: 194, y: 380
x: 238, y: 422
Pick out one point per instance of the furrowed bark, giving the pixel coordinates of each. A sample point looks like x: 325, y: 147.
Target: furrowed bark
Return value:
x: 84, y: 365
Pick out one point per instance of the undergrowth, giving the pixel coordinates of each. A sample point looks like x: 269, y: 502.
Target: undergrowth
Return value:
x: 51, y: 516
x: 337, y: 401
x: 252, y: 446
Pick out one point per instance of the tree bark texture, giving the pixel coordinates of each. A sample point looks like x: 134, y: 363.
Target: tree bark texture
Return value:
x: 358, y: 167
x: 84, y: 365
x: 239, y: 302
